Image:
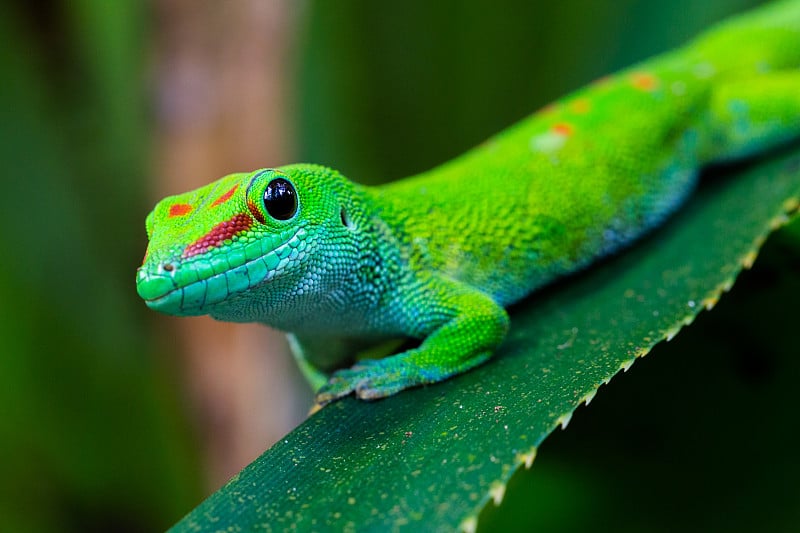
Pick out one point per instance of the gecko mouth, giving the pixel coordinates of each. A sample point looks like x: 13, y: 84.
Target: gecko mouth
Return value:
x: 180, y: 287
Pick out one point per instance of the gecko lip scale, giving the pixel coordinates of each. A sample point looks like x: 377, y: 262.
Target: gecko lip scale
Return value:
x: 212, y: 283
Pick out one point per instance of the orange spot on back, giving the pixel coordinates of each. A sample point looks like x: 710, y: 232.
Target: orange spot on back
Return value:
x: 562, y: 128
x: 546, y: 110
x: 644, y: 81
x: 178, y: 210
x: 225, y: 197
x: 599, y: 82
x: 581, y: 106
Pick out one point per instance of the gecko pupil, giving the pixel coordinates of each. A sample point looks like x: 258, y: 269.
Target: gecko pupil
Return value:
x: 280, y: 199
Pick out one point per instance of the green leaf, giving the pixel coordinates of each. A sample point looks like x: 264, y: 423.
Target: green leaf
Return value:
x: 436, y: 455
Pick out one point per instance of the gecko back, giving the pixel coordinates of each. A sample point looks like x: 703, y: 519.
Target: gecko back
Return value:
x: 436, y: 257
x: 589, y: 174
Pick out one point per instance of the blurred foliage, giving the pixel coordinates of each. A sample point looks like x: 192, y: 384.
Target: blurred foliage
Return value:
x: 91, y: 435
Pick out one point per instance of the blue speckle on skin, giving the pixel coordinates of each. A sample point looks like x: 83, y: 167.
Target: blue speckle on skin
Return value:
x: 738, y: 107
x: 611, y: 236
x: 741, y: 116
x: 690, y: 141
x: 763, y: 66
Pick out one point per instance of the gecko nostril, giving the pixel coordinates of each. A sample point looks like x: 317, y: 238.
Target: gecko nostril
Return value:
x: 168, y: 267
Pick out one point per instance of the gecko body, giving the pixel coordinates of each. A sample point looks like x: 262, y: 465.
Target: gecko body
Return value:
x: 438, y: 256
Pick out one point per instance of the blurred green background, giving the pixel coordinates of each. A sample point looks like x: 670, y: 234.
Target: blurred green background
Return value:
x: 94, y: 431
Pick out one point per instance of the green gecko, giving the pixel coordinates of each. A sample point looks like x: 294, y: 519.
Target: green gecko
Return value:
x: 437, y: 257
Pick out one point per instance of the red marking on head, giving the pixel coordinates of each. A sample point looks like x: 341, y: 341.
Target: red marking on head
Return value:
x: 644, y: 81
x: 178, y: 210
x: 562, y: 128
x: 225, y: 197
x: 219, y: 234
x: 255, y: 211
x: 581, y: 106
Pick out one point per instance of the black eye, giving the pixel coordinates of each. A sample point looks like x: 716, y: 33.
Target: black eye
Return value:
x: 280, y: 199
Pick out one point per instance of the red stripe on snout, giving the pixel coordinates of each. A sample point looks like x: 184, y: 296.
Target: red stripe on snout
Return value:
x: 219, y: 234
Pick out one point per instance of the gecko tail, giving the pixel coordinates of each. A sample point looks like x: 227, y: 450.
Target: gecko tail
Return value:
x: 764, y: 40
x: 754, y: 96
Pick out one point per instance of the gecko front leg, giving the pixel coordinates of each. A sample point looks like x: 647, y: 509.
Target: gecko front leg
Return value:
x: 317, y: 356
x: 460, y: 327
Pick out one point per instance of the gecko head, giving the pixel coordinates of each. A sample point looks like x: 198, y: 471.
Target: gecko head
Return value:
x: 243, y: 247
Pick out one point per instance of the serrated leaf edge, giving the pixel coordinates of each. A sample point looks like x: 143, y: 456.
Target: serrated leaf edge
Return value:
x: 497, y: 489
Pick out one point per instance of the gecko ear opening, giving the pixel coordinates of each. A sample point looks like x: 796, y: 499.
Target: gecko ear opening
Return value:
x: 346, y: 221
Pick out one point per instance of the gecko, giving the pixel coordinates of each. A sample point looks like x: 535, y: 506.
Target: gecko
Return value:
x: 437, y: 257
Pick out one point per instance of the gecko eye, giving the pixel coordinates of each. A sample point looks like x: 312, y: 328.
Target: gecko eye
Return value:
x: 280, y: 199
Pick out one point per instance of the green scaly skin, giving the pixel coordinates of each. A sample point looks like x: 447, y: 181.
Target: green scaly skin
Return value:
x: 436, y: 257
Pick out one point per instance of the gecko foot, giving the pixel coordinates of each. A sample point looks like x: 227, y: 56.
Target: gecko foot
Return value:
x: 369, y: 379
